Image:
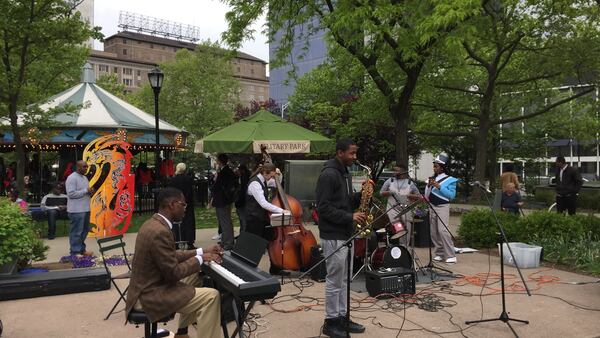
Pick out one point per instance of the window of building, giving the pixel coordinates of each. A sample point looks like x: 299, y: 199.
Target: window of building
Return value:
x: 251, y: 70
x: 252, y: 87
x: 124, y: 51
x: 115, y: 69
x: 261, y: 98
x: 127, y: 82
x: 139, y: 72
x: 151, y: 46
x: 124, y: 40
x: 238, y: 69
x: 103, y: 68
x: 127, y: 71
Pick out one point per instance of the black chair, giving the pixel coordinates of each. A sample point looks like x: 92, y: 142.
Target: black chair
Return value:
x: 108, y: 244
x: 138, y: 317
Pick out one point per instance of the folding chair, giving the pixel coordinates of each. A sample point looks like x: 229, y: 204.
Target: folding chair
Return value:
x: 113, y: 243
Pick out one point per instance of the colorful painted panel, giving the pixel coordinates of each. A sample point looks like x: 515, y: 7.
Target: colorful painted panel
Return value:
x: 109, y: 161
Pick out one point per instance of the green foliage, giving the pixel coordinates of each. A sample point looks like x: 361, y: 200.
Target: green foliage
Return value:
x: 42, y: 53
x: 110, y: 82
x: 18, y: 238
x: 588, y: 199
x: 572, y: 240
x: 199, y: 91
x: 478, y: 228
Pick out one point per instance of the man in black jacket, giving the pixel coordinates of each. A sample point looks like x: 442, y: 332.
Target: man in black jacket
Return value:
x: 223, y: 195
x: 335, y: 205
x: 568, y: 183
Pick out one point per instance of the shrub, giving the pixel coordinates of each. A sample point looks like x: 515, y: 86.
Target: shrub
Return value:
x: 478, y: 228
x: 589, y: 197
x: 18, y: 238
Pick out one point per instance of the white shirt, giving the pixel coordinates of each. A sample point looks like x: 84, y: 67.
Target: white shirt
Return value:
x: 255, y: 190
x: 199, y: 251
x: 561, y: 171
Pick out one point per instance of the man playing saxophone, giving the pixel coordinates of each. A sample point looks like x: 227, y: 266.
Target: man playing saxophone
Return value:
x: 335, y: 205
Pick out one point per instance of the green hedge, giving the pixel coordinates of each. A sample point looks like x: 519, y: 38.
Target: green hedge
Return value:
x: 573, y: 240
x: 589, y: 197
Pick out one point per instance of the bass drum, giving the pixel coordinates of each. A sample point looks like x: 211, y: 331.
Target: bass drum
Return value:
x: 391, y: 257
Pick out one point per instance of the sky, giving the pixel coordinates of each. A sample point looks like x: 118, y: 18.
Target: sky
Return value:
x: 207, y: 15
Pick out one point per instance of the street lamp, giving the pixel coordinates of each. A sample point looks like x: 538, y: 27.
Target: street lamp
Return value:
x: 156, y: 77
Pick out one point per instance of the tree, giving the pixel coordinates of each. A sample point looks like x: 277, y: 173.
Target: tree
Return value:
x: 242, y: 111
x: 509, y: 57
x: 199, y: 92
x: 392, y: 40
x: 337, y: 99
x: 41, y: 51
x: 110, y: 82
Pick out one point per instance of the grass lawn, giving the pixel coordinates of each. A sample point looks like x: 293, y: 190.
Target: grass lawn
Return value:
x: 205, y: 218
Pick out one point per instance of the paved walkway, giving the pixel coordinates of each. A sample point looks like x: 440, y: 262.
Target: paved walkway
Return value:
x: 80, y: 315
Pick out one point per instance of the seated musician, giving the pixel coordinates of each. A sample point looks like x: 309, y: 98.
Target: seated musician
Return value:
x: 164, y: 280
x: 257, y: 206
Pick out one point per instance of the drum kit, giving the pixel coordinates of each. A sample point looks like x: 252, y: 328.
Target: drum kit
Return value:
x: 382, y: 249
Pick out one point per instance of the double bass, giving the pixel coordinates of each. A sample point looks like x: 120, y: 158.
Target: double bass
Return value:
x: 291, y: 245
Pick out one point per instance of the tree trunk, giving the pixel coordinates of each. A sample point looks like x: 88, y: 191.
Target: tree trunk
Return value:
x: 12, y: 110
x: 481, y: 148
x: 401, y: 112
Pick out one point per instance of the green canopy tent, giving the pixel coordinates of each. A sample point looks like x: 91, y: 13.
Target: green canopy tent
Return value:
x: 264, y: 128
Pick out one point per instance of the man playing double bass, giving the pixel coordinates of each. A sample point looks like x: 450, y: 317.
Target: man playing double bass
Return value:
x: 257, y: 206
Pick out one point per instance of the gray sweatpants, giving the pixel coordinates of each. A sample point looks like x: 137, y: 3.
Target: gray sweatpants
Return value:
x: 441, y: 238
x: 335, y: 283
x: 224, y: 219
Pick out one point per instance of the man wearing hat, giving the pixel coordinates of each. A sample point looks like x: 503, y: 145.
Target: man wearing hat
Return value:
x: 441, y: 188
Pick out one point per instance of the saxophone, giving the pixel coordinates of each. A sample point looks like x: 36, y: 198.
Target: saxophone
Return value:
x: 365, y: 199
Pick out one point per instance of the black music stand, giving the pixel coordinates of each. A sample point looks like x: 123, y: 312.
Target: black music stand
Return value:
x: 504, y: 317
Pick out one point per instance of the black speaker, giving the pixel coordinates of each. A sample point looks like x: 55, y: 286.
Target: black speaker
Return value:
x: 390, y: 280
x: 422, y: 232
x: 56, y: 282
x: 317, y: 274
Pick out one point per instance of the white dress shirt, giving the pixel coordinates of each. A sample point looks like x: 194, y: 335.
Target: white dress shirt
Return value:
x: 256, y: 190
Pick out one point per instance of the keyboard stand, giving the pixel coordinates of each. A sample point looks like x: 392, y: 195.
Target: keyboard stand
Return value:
x: 238, y: 308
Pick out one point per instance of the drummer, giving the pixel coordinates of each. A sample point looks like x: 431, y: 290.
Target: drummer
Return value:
x: 399, y: 189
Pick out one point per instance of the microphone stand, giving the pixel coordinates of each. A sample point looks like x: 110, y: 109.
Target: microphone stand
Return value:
x: 431, y: 267
x: 348, y: 244
x: 502, y: 239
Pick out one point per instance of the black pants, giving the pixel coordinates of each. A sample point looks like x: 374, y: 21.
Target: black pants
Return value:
x: 259, y: 228
x: 568, y: 203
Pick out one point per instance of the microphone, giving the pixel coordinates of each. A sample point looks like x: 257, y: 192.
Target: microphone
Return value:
x: 480, y: 185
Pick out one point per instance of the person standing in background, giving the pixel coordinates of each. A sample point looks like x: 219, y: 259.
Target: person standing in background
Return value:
x: 187, y: 226
x: 568, y: 183
x: 78, y: 208
x: 508, y: 176
x: 223, y: 196
x: 240, y: 203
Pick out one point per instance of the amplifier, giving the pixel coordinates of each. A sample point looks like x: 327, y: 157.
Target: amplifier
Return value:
x: 390, y: 280
x: 56, y: 282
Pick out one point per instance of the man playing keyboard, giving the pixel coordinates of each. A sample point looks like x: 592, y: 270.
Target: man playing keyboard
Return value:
x: 164, y: 280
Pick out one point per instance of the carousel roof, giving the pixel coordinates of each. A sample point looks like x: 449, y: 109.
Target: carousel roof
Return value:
x: 100, y: 109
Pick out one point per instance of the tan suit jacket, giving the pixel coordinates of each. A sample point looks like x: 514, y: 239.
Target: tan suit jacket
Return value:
x: 156, y: 270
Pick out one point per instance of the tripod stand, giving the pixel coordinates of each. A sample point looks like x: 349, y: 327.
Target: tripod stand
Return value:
x: 502, y: 239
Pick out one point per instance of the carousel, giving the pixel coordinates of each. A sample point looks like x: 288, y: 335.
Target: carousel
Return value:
x: 90, y: 112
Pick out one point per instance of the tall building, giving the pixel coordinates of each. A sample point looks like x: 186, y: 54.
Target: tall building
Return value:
x: 86, y: 8
x: 305, y: 56
x: 144, y: 51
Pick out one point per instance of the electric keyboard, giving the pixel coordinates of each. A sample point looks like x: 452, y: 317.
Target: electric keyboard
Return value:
x: 243, y: 281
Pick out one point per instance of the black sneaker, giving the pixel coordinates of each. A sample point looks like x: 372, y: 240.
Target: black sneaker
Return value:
x: 353, y: 327
x: 334, y: 329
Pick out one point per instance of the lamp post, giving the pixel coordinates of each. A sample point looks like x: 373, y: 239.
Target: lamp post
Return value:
x: 156, y: 77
